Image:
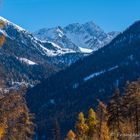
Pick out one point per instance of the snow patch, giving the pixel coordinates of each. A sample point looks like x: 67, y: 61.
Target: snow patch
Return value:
x: 60, y: 33
x: 59, y: 51
x: 99, y: 73
x: 10, y: 23
x: 94, y: 75
x: 27, y: 61
x: 85, y: 50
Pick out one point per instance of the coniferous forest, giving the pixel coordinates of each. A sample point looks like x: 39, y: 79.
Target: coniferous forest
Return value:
x: 16, y: 122
x: 119, y: 120
x: 69, y: 82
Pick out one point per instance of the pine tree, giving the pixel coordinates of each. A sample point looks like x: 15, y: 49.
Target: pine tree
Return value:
x: 81, y: 127
x: 92, y: 122
x: 70, y: 135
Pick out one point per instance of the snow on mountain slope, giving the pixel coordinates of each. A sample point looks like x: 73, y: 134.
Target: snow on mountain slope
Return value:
x: 7, y: 22
x: 94, y: 77
x: 17, y: 30
x: 27, y: 61
x: 99, y: 73
x: 85, y: 50
x: 37, y: 59
x: 57, y: 36
x: 77, y: 36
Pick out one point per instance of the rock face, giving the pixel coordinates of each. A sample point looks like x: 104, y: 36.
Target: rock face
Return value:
x: 84, y: 38
x: 23, y: 57
x: 95, y: 77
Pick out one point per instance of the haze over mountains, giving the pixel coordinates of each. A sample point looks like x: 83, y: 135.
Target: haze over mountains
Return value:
x: 78, y: 87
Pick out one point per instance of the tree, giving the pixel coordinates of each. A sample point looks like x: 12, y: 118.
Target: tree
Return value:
x: 2, y: 40
x: 102, y: 126
x: 15, y: 116
x: 104, y: 133
x: 119, y: 120
x: 70, y: 135
x: 81, y: 127
x: 132, y: 102
x: 115, y: 119
x: 2, y: 37
x: 92, y: 122
x: 3, y: 128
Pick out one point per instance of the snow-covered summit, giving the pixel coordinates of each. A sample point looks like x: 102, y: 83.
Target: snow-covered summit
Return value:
x: 48, y: 48
x: 76, y: 36
x: 8, y: 23
x: 24, y: 56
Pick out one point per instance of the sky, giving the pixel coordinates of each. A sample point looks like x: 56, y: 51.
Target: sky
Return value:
x: 111, y: 15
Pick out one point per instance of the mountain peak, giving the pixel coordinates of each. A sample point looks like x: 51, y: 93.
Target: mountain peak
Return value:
x: 135, y: 27
x: 7, y: 22
x: 91, y: 23
x: 74, y: 36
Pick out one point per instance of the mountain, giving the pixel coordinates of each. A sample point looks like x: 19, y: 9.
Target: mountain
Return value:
x: 76, y: 89
x: 24, y: 58
x: 84, y: 38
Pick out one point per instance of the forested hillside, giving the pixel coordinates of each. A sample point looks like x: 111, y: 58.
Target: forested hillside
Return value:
x: 16, y: 122
x: 118, y: 120
x: 78, y: 87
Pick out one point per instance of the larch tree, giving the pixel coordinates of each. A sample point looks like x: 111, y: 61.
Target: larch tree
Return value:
x: 132, y: 101
x: 16, y: 117
x: 92, y: 123
x: 81, y: 127
x: 71, y: 135
x: 102, y: 125
x: 2, y: 36
x: 115, y: 119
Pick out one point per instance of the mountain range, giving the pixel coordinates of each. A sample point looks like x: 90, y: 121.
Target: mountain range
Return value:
x: 26, y: 59
x: 77, y: 88
x: 67, y: 68
x: 84, y: 38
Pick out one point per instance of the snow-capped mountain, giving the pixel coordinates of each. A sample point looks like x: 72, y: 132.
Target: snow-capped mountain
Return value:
x: 13, y: 31
x: 95, y: 77
x: 23, y: 57
x: 84, y: 38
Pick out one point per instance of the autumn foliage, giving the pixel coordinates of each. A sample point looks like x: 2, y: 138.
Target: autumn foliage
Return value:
x: 119, y: 120
x: 2, y: 36
x: 2, y: 40
x: 15, y: 119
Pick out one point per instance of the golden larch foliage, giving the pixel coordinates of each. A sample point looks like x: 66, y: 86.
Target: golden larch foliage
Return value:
x: 92, y: 122
x: 70, y: 135
x: 105, y: 134
x: 2, y: 24
x: 81, y: 126
x: 2, y: 40
x: 2, y: 37
x: 2, y: 130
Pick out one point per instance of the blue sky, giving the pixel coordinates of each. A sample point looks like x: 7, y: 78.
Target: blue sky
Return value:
x: 35, y: 14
